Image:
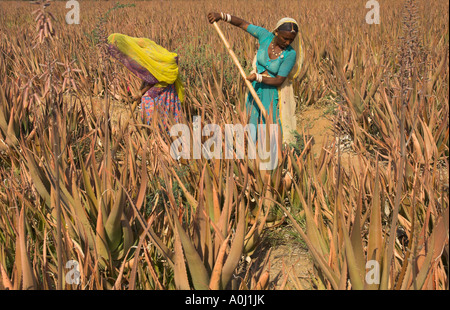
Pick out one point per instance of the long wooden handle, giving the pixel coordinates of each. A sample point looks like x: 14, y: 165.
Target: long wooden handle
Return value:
x: 241, y: 70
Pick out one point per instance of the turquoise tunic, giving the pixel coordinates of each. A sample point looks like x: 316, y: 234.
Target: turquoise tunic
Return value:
x: 279, y: 66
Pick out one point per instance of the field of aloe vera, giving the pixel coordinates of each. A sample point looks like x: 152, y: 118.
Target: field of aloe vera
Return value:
x: 90, y: 198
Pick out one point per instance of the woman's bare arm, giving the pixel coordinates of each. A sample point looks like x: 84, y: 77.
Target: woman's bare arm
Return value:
x: 239, y: 22
x: 142, y: 90
x: 235, y: 21
x: 273, y: 81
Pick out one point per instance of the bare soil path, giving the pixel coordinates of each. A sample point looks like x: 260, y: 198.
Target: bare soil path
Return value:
x: 290, y: 262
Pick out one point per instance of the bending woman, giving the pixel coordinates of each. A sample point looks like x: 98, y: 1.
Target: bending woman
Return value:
x: 162, y: 91
x: 276, y: 64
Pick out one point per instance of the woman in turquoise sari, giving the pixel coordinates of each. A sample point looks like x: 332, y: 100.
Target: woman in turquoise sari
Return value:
x: 277, y: 63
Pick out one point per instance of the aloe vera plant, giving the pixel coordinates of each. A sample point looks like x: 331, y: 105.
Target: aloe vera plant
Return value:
x: 134, y: 217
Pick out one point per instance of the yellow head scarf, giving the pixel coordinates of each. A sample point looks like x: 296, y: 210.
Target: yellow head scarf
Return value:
x: 143, y: 56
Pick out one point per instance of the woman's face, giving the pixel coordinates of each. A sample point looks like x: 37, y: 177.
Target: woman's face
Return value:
x: 284, y: 38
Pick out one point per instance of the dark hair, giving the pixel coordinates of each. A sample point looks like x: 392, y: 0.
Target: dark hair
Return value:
x: 288, y: 27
